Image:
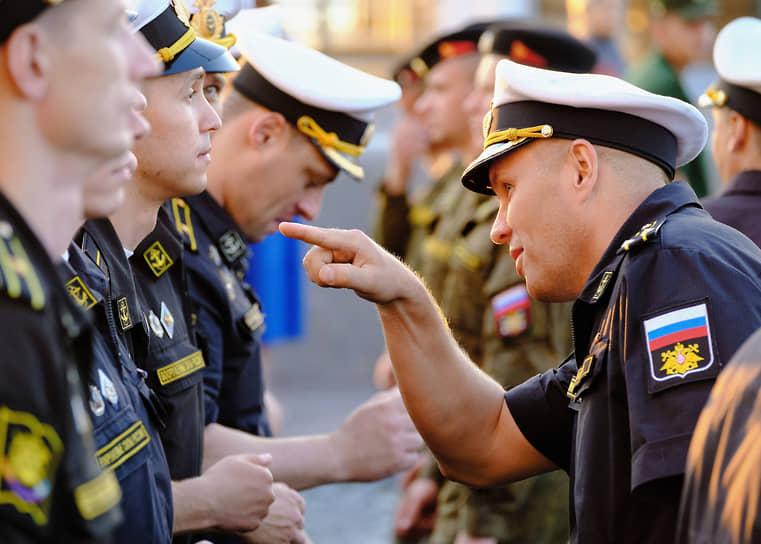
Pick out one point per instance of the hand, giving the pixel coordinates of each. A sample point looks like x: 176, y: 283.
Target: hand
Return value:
x: 409, y: 141
x: 377, y: 440
x: 350, y: 259
x: 241, y: 491
x: 412, y: 473
x: 464, y: 538
x: 285, y: 520
x: 383, y: 374
x: 416, y: 514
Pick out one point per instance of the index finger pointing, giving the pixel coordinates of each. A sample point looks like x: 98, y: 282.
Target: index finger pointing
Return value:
x: 332, y: 239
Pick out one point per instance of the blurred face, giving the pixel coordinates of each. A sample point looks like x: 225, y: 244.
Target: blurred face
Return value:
x: 536, y: 219
x: 173, y: 158
x: 104, y: 188
x: 478, y: 101
x: 285, y: 184
x: 97, y: 65
x: 440, y: 106
x: 683, y: 41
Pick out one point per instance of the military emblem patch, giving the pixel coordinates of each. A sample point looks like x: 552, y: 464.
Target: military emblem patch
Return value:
x: 512, y: 311
x: 680, y: 347
x: 30, y: 452
x: 155, y: 324
x: 125, y: 318
x: 232, y: 246
x: 158, y: 259
x: 80, y: 294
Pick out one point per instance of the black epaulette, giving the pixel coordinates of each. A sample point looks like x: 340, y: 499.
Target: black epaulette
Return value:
x: 183, y: 223
x: 647, y: 233
x: 18, y: 277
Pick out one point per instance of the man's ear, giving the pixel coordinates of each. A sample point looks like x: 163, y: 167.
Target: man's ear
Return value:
x: 584, y: 163
x: 738, y: 133
x: 267, y: 129
x: 28, y: 62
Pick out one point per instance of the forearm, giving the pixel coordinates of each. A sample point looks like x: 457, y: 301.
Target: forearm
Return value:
x: 458, y: 409
x: 299, y: 462
x: 193, y: 509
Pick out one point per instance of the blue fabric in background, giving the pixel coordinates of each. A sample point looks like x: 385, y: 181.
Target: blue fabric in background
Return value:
x: 277, y: 276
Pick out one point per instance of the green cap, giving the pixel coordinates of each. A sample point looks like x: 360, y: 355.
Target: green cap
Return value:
x: 687, y: 9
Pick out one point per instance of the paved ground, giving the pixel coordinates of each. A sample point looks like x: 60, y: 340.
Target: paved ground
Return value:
x: 321, y: 379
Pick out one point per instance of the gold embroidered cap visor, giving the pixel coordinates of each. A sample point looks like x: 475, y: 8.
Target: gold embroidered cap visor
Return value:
x: 179, y: 47
x: 519, y: 123
x: 19, y: 12
x: 340, y: 137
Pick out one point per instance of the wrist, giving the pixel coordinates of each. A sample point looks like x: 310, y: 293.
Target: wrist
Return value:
x: 335, y: 443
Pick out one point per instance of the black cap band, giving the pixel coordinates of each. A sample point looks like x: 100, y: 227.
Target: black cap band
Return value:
x: 17, y: 13
x: 255, y: 87
x: 601, y: 127
x: 744, y: 101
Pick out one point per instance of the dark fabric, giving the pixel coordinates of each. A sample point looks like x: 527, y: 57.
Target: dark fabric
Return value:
x: 174, y: 362
x: 120, y: 404
x: 629, y: 439
x: 46, y: 355
x: 228, y: 321
x: 720, y: 501
x: 739, y: 205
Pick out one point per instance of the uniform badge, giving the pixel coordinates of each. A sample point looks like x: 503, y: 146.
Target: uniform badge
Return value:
x: 124, y: 316
x: 97, y: 405
x: 207, y: 21
x: 155, y: 324
x: 232, y: 246
x: 254, y: 318
x: 679, y: 347
x: 512, y: 311
x: 31, y: 452
x: 107, y: 388
x: 158, y: 259
x: 182, y: 11
x: 167, y: 319
x: 214, y: 255
x: 80, y: 294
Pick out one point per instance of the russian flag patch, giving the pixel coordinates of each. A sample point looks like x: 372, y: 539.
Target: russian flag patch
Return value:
x: 679, y: 346
x: 512, y: 311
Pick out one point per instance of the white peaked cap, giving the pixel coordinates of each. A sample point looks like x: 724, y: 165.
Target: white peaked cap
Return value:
x: 533, y: 103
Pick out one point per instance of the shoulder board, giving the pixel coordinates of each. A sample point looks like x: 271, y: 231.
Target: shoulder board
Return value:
x: 647, y: 233
x: 18, y: 278
x: 183, y: 222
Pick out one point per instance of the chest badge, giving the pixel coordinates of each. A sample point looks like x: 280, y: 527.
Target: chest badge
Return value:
x: 679, y: 346
x: 155, y: 324
x: 124, y: 316
x: 254, y: 318
x: 107, y: 388
x: 167, y: 319
x: 97, y: 405
x: 232, y: 246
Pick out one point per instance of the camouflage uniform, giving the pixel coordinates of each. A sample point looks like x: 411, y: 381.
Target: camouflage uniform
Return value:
x: 512, y: 338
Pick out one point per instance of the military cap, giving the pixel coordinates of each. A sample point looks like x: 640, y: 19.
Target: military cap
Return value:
x: 166, y: 26
x: 686, y: 9
x: 543, y: 48
x: 532, y: 104
x: 738, y: 63
x: 448, y: 46
x: 20, y: 12
x: 331, y: 103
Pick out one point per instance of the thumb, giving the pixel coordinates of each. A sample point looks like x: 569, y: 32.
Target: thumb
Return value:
x: 408, y: 512
x: 262, y: 459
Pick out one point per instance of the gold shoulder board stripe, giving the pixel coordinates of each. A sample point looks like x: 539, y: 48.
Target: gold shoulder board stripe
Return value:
x: 421, y: 215
x: 438, y: 248
x: 124, y: 446
x: 181, y: 368
x: 464, y: 255
x: 98, y: 496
